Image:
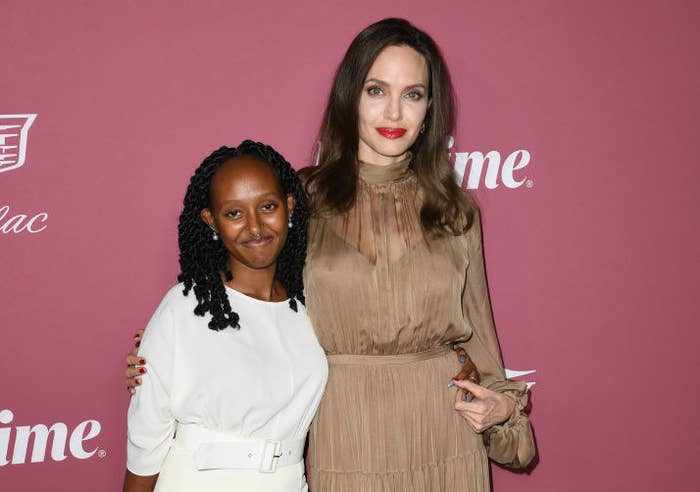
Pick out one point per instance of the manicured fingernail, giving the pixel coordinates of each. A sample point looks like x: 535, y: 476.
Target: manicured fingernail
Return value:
x: 142, y: 361
x: 138, y: 344
x: 468, y: 397
x: 138, y: 380
x: 142, y: 370
x: 450, y: 384
x: 462, y: 359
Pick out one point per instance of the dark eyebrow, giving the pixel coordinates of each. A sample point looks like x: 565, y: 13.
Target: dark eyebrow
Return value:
x: 262, y: 196
x: 381, y: 82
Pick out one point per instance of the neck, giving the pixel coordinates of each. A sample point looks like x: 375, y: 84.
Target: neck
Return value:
x: 258, y: 283
x: 376, y: 174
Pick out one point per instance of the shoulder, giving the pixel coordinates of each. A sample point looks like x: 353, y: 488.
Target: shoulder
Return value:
x: 174, y: 304
x: 175, y: 297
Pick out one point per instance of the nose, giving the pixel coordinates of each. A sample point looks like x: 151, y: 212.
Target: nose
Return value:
x: 392, y: 110
x: 254, y: 224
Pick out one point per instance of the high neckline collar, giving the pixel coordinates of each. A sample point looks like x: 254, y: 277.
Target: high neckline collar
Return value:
x: 376, y: 174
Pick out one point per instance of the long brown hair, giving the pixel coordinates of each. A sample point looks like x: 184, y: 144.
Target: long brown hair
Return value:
x: 333, y: 183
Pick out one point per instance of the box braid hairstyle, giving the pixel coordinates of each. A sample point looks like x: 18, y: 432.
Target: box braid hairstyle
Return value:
x: 203, y: 259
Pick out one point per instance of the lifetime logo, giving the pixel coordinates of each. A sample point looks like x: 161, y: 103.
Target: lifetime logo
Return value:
x: 84, y: 431
x: 514, y: 162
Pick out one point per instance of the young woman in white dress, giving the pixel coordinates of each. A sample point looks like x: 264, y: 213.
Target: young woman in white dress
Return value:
x: 235, y: 370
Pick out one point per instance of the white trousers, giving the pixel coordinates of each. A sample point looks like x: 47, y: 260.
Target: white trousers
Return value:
x: 179, y: 474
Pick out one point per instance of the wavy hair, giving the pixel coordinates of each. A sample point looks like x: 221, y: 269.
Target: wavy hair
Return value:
x: 333, y: 183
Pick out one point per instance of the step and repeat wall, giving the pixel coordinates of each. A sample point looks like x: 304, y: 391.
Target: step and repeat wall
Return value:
x: 576, y: 132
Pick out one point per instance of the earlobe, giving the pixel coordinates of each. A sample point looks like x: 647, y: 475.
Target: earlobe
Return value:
x: 290, y: 204
x: 207, y: 217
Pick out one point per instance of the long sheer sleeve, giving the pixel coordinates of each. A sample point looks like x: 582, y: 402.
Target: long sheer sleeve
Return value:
x: 510, y: 443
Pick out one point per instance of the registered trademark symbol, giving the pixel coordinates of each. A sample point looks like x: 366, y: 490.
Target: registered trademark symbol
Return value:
x: 102, y: 453
x: 529, y: 183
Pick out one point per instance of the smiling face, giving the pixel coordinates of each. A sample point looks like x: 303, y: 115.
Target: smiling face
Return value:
x: 393, y: 105
x: 250, y: 212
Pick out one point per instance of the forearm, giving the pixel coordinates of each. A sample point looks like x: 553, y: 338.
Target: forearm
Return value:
x: 138, y: 483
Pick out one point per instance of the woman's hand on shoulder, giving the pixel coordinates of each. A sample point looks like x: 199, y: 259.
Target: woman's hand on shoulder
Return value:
x: 486, y: 409
x: 135, y: 365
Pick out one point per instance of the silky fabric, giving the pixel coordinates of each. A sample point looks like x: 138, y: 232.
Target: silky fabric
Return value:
x: 376, y: 286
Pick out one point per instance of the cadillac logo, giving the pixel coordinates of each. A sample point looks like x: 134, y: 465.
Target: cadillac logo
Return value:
x: 14, y: 129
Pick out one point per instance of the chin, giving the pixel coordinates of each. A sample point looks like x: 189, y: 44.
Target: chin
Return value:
x: 391, y: 150
x: 260, y: 263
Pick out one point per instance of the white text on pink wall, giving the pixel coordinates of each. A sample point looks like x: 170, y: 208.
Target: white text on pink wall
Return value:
x: 19, y: 223
x: 59, y: 433
x: 472, y: 169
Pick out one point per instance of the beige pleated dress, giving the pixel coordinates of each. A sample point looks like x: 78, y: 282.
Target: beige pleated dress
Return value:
x: 386, y: 306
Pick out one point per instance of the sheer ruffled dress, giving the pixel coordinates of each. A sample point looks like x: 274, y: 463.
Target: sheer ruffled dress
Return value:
x: 386, y: 306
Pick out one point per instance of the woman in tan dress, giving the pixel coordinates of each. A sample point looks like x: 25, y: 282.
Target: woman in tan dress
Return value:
x: 394, y: 277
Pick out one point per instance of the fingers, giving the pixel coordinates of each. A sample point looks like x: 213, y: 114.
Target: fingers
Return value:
x: 461, y: 374
x: 472, y: 372
x: 472, y: 405
x: 134, y: 371
x: 134, y: 360
x: 491, y: 408
x: 475, y: 421
x: 133, y: 382
x: 468, y: 374
x: 473, y: 412
x: 134, y: 365
x: 475, y: 389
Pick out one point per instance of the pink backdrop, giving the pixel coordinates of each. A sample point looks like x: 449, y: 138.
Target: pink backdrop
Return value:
x: 592, y: 261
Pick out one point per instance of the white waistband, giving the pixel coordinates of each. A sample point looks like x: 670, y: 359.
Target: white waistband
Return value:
x: 214, y: 450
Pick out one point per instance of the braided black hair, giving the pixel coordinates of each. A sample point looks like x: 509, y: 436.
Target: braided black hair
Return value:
x: 203, y: 260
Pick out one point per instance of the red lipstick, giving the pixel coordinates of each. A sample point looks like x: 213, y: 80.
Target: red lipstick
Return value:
x: 391, y: 132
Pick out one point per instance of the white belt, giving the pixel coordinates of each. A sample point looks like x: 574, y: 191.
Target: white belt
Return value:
x: 214, y: 449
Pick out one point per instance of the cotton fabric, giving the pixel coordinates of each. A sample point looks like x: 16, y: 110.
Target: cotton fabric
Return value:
x: 262, y: 381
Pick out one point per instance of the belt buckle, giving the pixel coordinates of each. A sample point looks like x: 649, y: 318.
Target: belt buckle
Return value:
x: 270, y: 455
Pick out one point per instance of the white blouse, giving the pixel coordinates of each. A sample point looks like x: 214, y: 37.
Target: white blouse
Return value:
x: 262, y: 381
